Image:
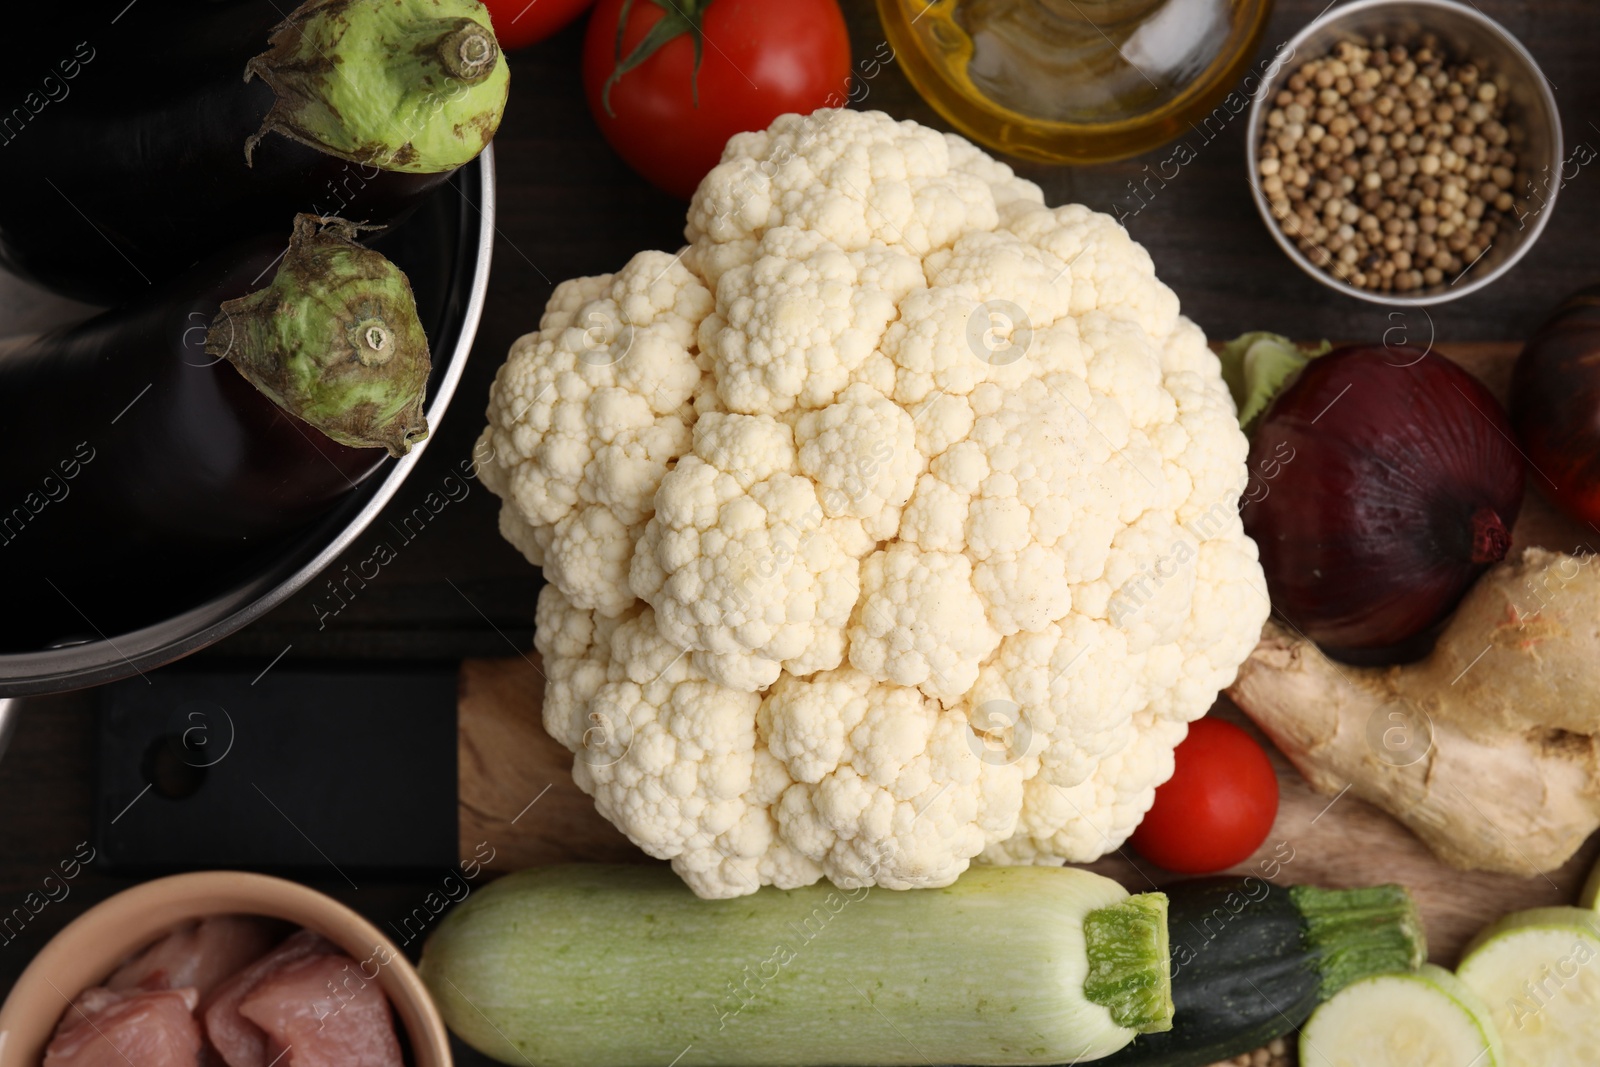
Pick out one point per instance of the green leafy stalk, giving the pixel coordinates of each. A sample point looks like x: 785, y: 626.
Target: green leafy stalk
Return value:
x: 333, y: 339
x: 1361, y: 932
x: 1257, y: 365
x: 1129, y: 972
x: 406, y: 85
x: 678, y: 17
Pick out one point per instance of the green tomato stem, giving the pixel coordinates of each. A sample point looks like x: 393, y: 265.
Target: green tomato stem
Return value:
x: 679, y: 17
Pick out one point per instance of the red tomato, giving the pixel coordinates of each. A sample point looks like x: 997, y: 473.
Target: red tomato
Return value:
x: 760, y: 59
x: 1217, y: 807
x: 519, y: 23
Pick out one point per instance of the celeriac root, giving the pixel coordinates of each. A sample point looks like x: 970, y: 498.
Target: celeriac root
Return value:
x: 1487, y: 750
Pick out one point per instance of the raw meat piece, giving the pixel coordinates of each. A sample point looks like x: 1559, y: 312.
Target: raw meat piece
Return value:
x: 199, y: 955
x: 326, y: 1013
x: 109, y: 1028
x: 239, y: 1041
x: 86, y: 1005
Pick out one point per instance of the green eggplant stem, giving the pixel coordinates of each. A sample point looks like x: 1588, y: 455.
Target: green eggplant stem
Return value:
x: 405, y: 85
x: 469, y: 52
x: 334, y: 340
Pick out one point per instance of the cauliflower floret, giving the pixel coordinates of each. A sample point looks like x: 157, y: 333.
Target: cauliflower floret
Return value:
x: 1152, y: 576
x: 1077, y: 824
x: 674, y: 761
x: 1106, y: 269
x: 1027, y: 496
x: 804, y: 320
x: 917, y: 545
x: 585, y: 417
x: 890, y: 789
x: 949, y: 341
x: 1228, y: 584
x: 852, y: 177
x: 1214, y: 459
x: 920, y: 621
x: 740, y: 562
x: 576, y: 647
x: 1070, y: 690
x: 862, y: 453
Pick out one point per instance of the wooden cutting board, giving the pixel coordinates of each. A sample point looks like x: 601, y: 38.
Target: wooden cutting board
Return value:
x: 517, y: 793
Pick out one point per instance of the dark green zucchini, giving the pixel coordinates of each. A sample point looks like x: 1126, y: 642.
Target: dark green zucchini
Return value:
x: 1250, y: 960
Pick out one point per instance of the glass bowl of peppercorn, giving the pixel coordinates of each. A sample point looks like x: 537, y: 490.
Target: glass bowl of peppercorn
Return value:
x: 1405, y: 152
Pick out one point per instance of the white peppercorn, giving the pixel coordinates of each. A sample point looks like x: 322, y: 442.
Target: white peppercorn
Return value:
x: 1389, y: 164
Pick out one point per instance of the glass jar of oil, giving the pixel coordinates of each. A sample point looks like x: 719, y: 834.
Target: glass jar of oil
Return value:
x: 1073, y: 81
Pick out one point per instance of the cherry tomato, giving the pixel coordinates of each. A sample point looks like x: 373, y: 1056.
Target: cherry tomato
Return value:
x: 519, y: 23
x: 1217, y: 807
x: 758, y: 59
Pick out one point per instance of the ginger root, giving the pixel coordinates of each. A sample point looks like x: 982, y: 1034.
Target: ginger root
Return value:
x: 1488, y: 750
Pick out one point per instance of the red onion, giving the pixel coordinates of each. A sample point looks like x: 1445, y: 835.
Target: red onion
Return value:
x: 1555, y: 404
x: 1396, y: 485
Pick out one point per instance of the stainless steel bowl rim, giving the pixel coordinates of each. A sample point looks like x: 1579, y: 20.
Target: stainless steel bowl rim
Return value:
x: 1269, y: 88
x: 108, y: 659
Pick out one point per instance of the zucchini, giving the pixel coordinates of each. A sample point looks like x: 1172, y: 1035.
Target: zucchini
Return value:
x: 597, y: 966
x: 1426, y: 1019
x: 1539, y: 972
x: 1251, y: 960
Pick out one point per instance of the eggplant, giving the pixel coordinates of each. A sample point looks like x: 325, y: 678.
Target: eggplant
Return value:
x: 1251, y: 960
x: 190, y: 430
x: 124, y: 166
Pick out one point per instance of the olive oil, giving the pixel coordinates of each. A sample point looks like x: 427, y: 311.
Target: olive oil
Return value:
x: 1073, y: 81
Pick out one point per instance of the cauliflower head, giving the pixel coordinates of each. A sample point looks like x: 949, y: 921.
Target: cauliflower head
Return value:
x: 890, y: 525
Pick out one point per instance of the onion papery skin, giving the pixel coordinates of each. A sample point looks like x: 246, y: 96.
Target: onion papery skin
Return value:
x: 1555, y: 404
x: 1396, y: 484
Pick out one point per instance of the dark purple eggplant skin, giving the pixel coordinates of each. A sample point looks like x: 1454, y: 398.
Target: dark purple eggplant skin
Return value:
x: 133, y: 458
x: 138, y: 171
x: 1555, y: 404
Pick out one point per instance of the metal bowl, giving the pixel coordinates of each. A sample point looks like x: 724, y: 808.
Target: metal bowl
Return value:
x: 1469, y: 34
x: 444, y: 247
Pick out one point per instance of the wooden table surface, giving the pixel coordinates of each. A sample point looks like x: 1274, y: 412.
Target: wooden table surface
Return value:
x: 568, y: 206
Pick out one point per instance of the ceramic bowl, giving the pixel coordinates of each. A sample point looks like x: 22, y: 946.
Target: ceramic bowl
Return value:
x: 94, y: 944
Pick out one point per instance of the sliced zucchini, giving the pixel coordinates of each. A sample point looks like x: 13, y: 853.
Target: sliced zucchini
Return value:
x: 1425, y: 1019
x: 1539, y: 971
